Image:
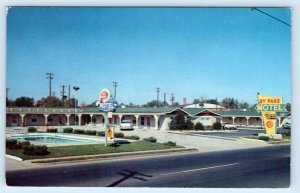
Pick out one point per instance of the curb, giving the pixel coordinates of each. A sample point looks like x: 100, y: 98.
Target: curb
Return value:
x: 111, y: 155
x: 13, y: 157
x: 257, y: 140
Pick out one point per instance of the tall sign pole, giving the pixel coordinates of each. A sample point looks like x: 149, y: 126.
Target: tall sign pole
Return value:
x: 107, y: 105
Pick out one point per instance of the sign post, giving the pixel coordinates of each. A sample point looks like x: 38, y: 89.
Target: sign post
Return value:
x: 107, y: 105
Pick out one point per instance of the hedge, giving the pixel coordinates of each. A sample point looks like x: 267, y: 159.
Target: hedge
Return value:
x: 31, y: 130
x: 134, y: 137
x: 150, y: 139
x: 35, y: 150
x: 170, y: 143
x: 90, y: 132
x: 68, y: 130
x: 79, y: 131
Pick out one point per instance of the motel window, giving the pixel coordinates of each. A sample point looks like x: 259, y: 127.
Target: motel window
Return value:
x: 33, y: 120
x: 148, y: 121
x: 142, y: 120
x: 50, y: 119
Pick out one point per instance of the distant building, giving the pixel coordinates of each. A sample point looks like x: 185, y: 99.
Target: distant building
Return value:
x: 207, y: 106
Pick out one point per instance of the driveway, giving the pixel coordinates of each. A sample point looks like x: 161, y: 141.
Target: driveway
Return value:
x: 203, y: 143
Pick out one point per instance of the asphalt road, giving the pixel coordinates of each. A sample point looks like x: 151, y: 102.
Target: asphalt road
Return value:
x: 267, y: 167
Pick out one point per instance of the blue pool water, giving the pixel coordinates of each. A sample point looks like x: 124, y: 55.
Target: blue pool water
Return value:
x: 55, y: 139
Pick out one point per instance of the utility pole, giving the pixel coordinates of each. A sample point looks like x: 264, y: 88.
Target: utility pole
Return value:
x: 115, y: 84
x: 69, y: 93
x: 63, y: 92
x: 49, y: 76
x: 172, y: 99
x: 157, y: 90
x: 165, y: 103
x: 7, y: 89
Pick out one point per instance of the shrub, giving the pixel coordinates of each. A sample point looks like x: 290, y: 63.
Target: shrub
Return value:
x: 35, y: 150
x: 68, y: 130
x: 119, y: 135
x: 217, y: 126
x: 207, y: 127
x: 134, y: 137
x: 199, y: 126
x: 31, y: 130
x: 170, y: 143
x: 150, y: 139
x: 90, y: 132
x: 189, y: 124
x: 100, y: 133
x: 22, y: 144
x: 11, y: 143
x: 51, y: 130
x: 264, y: 138
x: 79, y: 131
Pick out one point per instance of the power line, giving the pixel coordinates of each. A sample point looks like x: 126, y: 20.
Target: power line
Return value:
x: 270, y: 16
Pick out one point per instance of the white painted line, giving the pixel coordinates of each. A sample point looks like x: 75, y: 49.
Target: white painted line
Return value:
x: 199, y: 169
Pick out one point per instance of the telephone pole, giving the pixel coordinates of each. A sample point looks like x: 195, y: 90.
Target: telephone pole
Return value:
x: 63, y: 92
x: 165, y: 102
x: 69, y: 93
x: 172, y: 99
x: 115, y: 84
x: 7, y: 89
x: 157, y: 90
x: 49, y: 76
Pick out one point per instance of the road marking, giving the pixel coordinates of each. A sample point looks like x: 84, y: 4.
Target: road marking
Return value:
x: 199, y: 169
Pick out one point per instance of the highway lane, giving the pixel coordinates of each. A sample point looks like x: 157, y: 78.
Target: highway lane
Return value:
x: 259, y: 167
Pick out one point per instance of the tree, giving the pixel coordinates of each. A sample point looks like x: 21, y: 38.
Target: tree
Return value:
x: 24, y: 102
x: 196, y: 101
x: 229, y: 103
x: 153, y: 104
x: 10, y: 103
x: 217, y: 126
x: 212, y: 101
x: 199, y: 126
x: 288, y: 107
x: 189, y: 124
x: 178, y: 122
x: 244, y: 105
x: 53, y: 102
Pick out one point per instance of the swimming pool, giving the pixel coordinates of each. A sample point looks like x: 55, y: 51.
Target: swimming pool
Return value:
x: 54, y: 139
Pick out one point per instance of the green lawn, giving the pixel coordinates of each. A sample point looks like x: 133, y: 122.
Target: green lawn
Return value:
x: 77, y: 150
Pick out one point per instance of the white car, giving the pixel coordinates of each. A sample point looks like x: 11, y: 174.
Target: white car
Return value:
x: 126, y: 124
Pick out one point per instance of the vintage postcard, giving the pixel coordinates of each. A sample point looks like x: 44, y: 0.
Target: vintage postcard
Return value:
x: 164, y: 97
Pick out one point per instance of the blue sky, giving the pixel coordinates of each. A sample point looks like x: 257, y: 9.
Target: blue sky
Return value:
x: 191, y: 52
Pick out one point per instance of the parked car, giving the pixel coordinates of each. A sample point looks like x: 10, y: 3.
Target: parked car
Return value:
x: 229, y: 126
x: 126, y: 125
x: 284, y: 130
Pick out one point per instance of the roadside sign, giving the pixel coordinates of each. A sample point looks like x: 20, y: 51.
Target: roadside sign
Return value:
x: 110, y: 133
x: 268, y: 106
x: 104, y: 95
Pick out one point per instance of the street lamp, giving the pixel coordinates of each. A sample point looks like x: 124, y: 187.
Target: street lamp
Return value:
x: 76, y: 88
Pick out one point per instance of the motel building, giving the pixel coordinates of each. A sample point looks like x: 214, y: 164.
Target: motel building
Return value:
x: 142, y: 118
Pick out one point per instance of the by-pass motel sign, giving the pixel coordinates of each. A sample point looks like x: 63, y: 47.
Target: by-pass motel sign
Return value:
x: 268, y: 106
